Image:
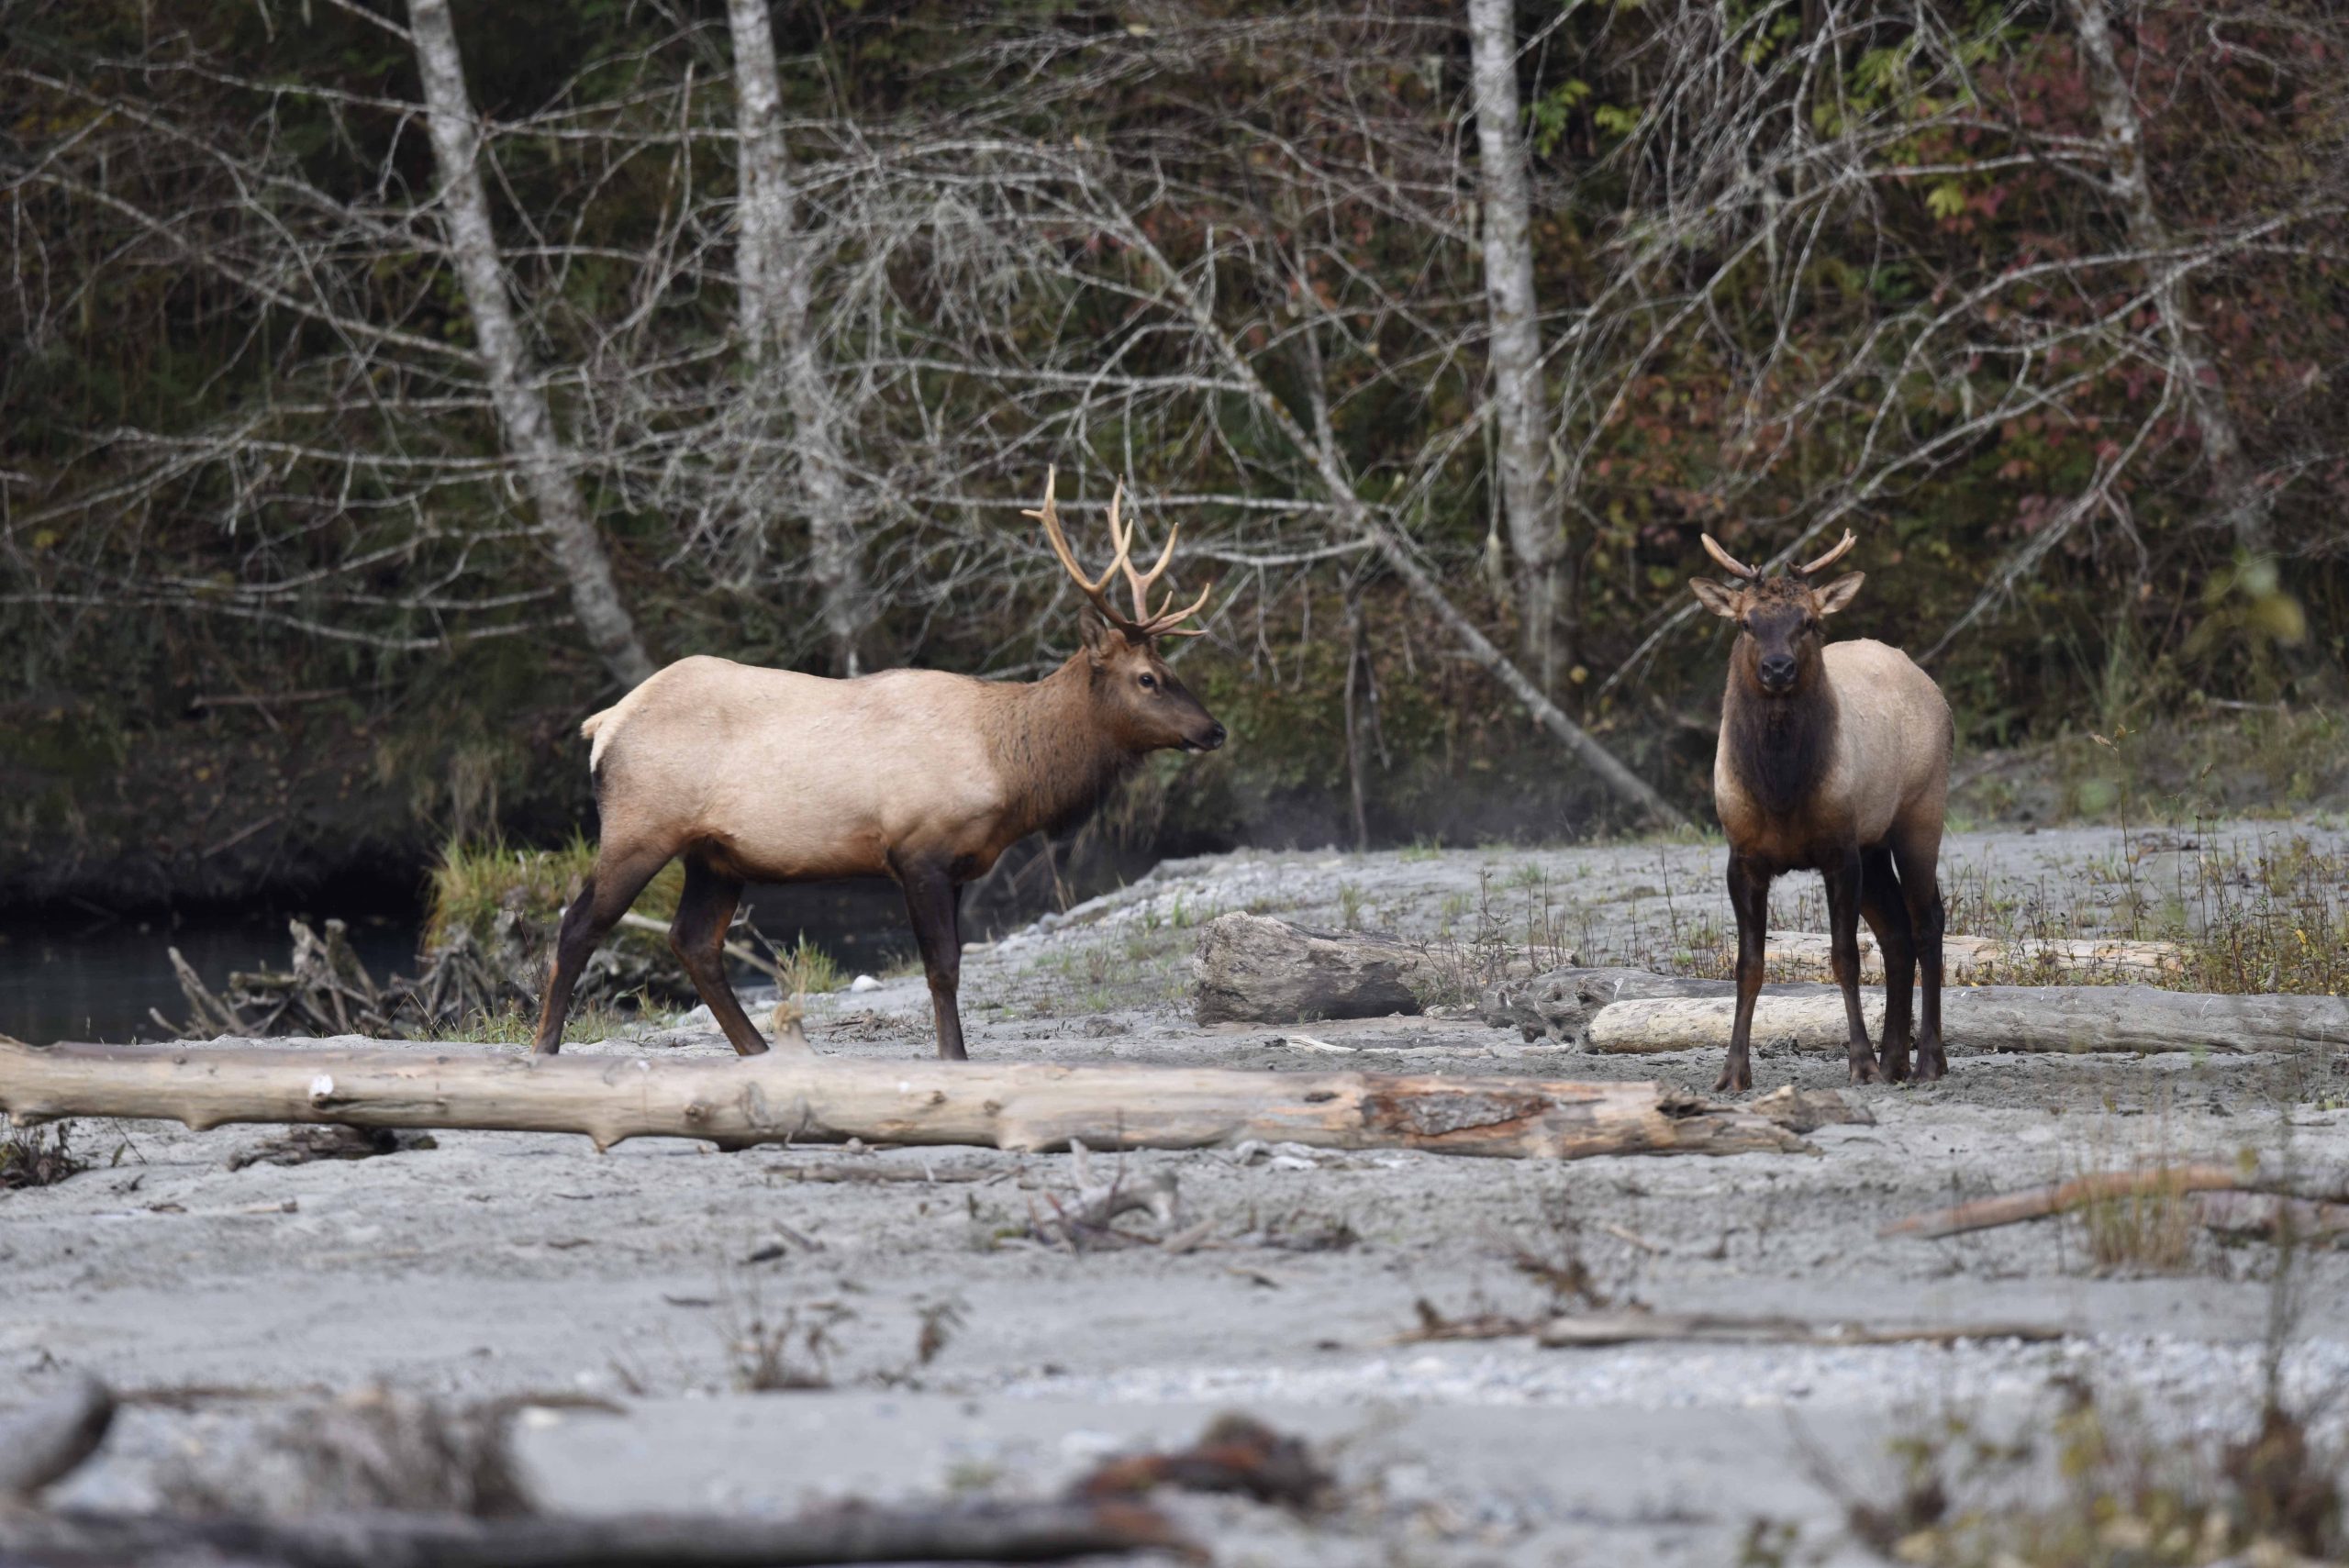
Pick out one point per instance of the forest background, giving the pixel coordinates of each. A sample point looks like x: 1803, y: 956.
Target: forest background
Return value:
x: 387, y: 387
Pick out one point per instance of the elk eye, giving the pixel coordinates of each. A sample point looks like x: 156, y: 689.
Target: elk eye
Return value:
x: 1149, y: 683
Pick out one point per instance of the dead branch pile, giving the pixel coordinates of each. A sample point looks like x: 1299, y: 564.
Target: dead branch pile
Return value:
x: 325, y: 989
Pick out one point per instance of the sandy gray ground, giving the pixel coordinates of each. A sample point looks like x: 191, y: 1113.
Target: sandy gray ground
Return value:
x: 511, y: 1265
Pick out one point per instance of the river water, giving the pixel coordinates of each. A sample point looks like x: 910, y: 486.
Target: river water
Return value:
x: 77, y: 976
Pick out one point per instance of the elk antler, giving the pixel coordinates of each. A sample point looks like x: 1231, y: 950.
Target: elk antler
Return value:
x: 1831, y: 558
x: 1728, y: 563
x: 1144, y: 621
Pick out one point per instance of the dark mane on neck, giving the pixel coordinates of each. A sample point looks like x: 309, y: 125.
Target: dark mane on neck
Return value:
x: 1778, y: 747
x: 1058, y: 762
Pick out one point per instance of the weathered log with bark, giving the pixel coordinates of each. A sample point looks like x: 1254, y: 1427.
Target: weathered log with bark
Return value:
x: 1256, y: 969
x: 737, y: 1102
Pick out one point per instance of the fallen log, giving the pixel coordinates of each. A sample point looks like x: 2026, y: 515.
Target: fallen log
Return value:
x: 2103, y: 1187
x: 775, y: 1098
x: 1573, y: 1330
x: 1593, y: 1331
x: 49, y: 1442
x: 990, y: 1532
x: 2050, y: 1019
x: 1984, y: 960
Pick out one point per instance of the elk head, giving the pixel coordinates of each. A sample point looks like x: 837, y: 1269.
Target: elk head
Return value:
x: 1142, y: 704
x: 1779, y: 619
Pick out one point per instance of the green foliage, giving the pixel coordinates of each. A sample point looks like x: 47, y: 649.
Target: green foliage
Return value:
x: 475, y: 882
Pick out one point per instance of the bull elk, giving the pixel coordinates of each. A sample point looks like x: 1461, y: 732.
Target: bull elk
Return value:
x: 917, y: 776
x: 1833, y: 758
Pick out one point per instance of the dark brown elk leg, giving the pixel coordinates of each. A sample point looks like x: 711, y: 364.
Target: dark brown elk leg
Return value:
x: 932, y: 901
x: 1842, y: 879
x: 1883, y: 907
x: 603, y: 898
x: 697, y: 935
x: 1918, y: 857
x: 1749, y: 894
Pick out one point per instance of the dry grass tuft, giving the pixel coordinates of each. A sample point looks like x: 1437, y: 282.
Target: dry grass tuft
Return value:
x: 38, y: 1157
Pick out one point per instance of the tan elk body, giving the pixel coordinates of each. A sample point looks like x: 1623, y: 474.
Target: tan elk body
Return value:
x: 1834, y: 758
x: 751, y: 776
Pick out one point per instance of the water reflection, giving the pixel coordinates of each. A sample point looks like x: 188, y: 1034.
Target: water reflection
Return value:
x: 97, y: 981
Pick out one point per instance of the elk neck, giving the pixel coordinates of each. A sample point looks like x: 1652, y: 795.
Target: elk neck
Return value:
x: 1056, y: 757
x: 1778, y: 747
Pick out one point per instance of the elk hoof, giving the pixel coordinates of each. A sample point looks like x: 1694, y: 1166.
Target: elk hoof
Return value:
x: 1932, y: 1067
x: 1866, y: 1071
x: 1735, y: 1080
x: 1896, y: 1067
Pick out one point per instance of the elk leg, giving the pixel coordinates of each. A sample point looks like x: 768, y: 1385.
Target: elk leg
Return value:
x: 1918, y: 857
x: 1749, y: 894
x: 932, y: 901
x: 611, y: 886
x: 1886, y: 910
x: 697, y: 935
x: 1843, y: 879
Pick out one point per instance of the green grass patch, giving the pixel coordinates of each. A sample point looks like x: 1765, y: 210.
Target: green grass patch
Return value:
x: 475, y: 882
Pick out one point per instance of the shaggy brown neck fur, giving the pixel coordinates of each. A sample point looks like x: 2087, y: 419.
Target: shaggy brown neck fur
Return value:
x: 1056, y: 755
x: 1778, y: 746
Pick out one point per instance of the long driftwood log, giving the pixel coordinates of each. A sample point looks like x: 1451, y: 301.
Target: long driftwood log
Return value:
x: 738, y: 1101
x: 1628, y: 1011
x: 1982, y: 960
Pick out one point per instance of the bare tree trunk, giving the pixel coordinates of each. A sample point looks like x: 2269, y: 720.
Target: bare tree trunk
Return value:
x: 774, y: 288
x: 521, y: 402
x: 2241, y: 502
x: 1520, y: 406
x: 1357, y: 726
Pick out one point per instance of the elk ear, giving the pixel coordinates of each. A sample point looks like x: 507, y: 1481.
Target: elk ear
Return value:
x: 1718, y: 598
x: 1097, y: 636
x: 1841, y: 592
